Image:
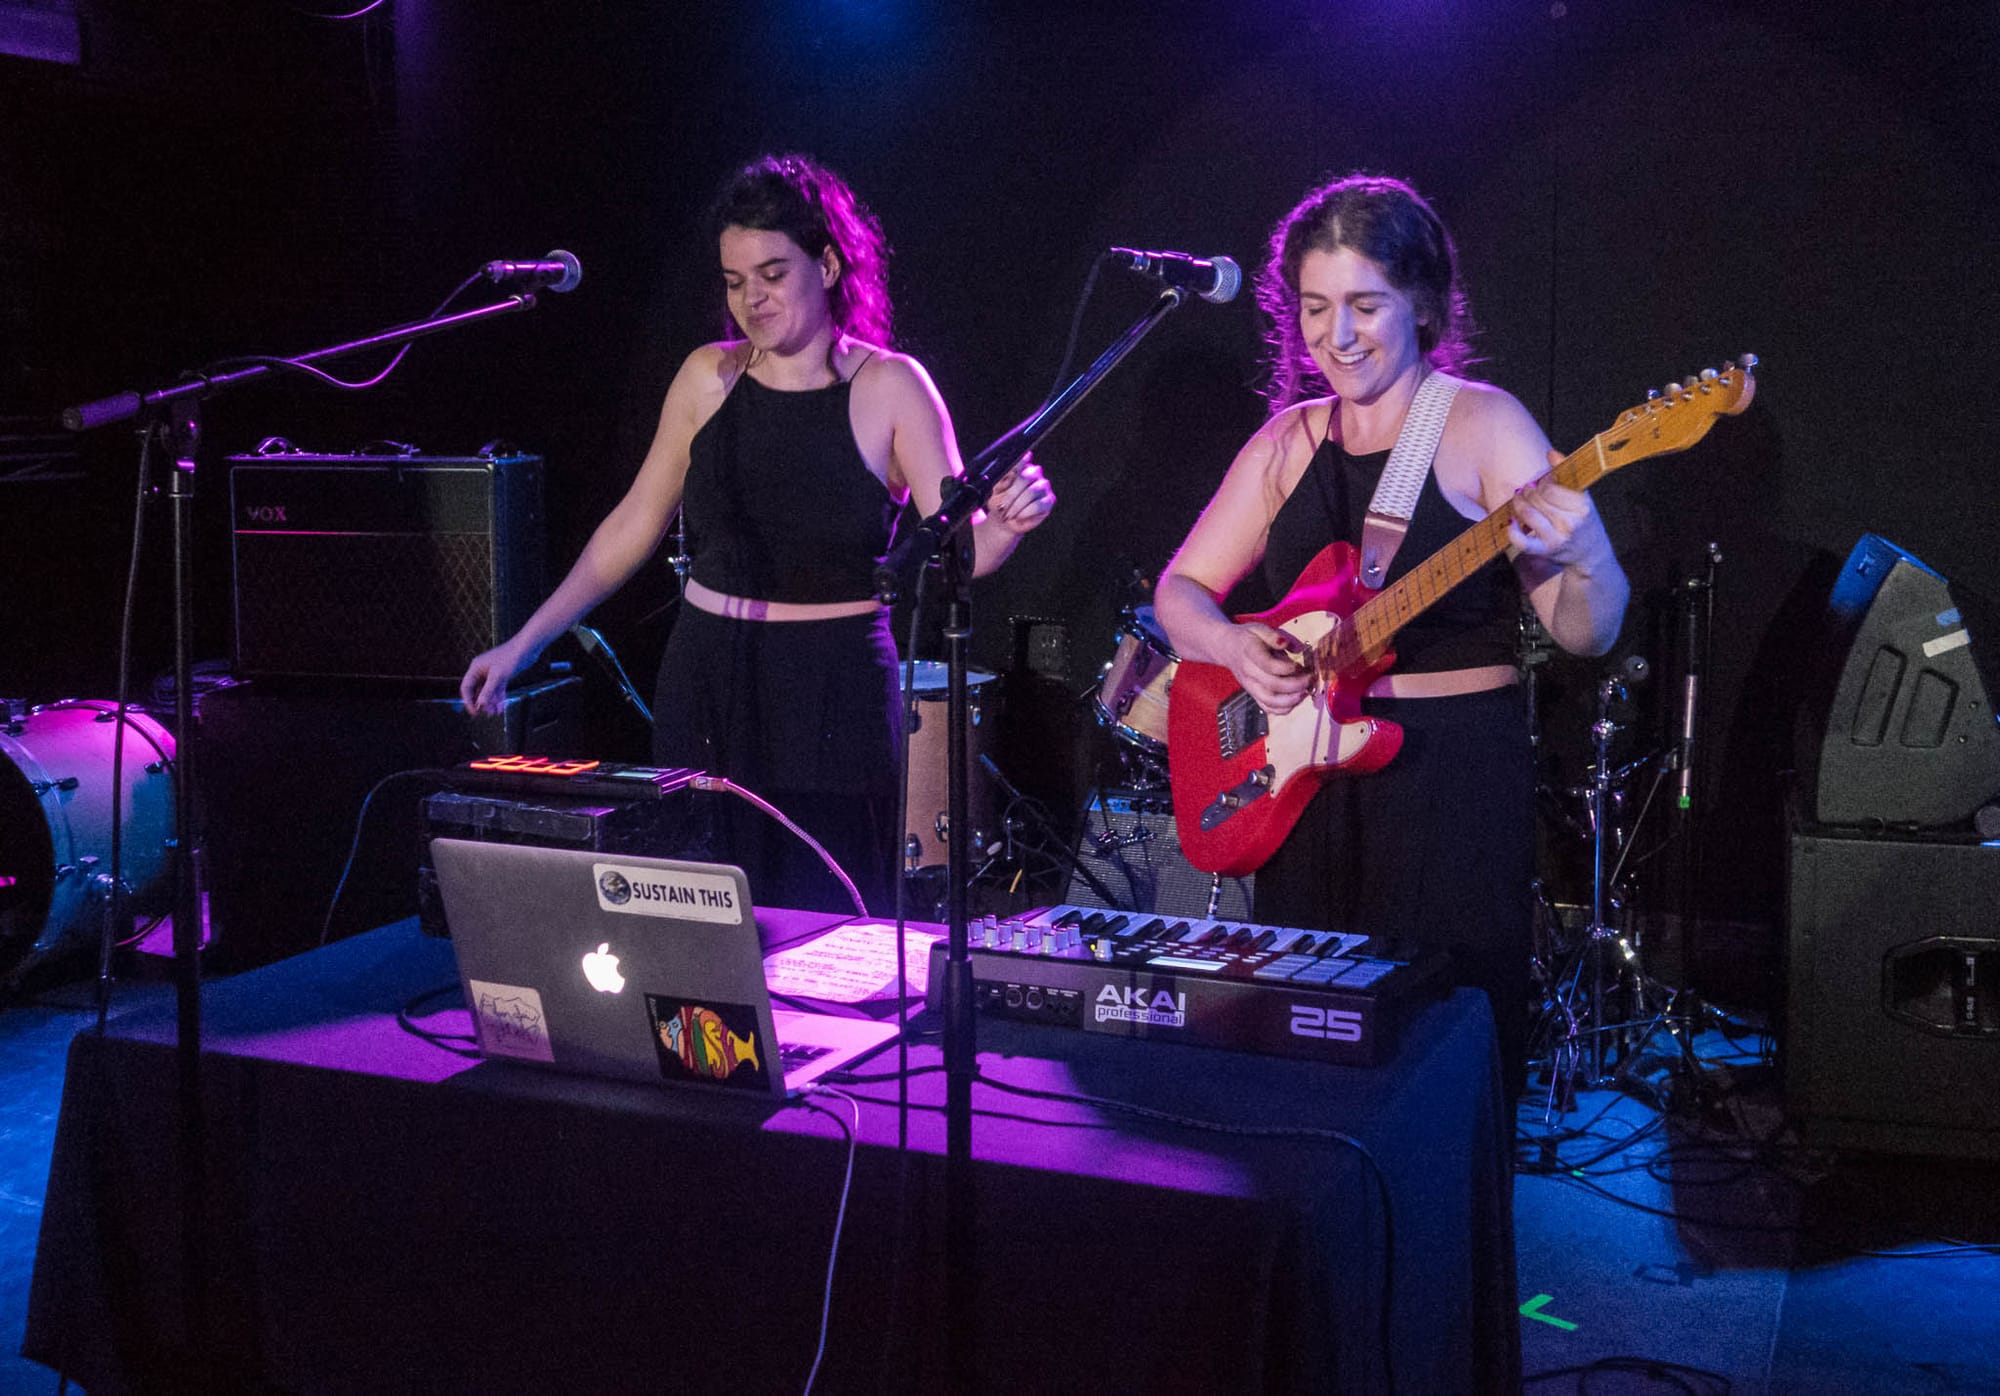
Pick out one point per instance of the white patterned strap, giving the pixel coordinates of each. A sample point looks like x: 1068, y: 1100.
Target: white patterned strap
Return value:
x: 1395, y: 497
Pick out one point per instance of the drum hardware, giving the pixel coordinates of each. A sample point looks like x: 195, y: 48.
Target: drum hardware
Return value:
x: 1533, y: 646
x: 1598, y: 1006
x: 679, y: 559
x: 1110, y: 841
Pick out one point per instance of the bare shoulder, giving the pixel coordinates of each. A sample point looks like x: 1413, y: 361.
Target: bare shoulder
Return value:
x: 1486, y: 419
x: 1489, y: 411
x: 1492, y: 445
x: 1284, y: 445
x: 711, y: 368
x: 876, y: 371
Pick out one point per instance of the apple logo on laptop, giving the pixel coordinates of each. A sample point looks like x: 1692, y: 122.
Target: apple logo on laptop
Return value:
x: 600, y: 967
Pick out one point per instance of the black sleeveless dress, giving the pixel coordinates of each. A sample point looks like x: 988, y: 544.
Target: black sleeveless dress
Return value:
x: 1438, y: 847
x: 781, y: 507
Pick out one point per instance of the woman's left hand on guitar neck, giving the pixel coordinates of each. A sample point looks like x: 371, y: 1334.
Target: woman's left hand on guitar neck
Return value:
x: 1567, y: 564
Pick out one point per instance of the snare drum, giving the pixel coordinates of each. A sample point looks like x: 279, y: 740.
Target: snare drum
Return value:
x: 1132, y: 697
x: 56, y: 802
x: 927, y: 829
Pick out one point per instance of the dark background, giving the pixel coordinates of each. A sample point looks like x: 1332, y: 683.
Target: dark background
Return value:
x: 1639, y: 190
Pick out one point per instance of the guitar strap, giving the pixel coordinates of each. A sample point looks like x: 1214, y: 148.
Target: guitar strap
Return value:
x: 1395, y: 497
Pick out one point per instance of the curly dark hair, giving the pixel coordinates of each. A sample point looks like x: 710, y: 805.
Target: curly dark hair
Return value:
x: 814, y: 207
x: 1388, y: 222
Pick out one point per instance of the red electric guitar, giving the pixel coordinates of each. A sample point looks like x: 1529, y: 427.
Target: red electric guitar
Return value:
x: 1241, y: 778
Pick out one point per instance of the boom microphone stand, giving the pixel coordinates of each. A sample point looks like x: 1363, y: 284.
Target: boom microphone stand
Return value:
x: 944, y: 540
x: 174, y: 412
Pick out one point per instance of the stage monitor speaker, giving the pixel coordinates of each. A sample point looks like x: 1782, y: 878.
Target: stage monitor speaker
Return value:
x: 282, y: 776
x: 1892, y: 1031
x: 1908, y: 737
x: 381, y: 568
x: 1128, y: 858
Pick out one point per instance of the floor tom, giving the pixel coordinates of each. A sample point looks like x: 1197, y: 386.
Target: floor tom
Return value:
x: 927, y: 827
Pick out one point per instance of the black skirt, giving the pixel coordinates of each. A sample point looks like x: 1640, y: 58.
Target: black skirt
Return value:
x: 802, y: 713
x: 1436, y: 848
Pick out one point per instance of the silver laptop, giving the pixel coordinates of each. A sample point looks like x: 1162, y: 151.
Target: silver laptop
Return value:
x: 644, y: 969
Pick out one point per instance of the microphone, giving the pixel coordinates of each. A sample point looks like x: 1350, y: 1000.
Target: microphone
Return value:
x: 1695, y: 593
x: 1216, y: 279
x: 1684, y: 752
x: 559, y: 271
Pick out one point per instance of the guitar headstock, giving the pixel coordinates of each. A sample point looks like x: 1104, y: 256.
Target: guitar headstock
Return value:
x: 1674, y: 418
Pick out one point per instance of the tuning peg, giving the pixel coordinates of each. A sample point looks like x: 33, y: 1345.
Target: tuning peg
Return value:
x: 1709, y: 375
x: 1652, y: 394
x: 1749, y: 362
x: 1690, y: 385
x: 1673, y: 390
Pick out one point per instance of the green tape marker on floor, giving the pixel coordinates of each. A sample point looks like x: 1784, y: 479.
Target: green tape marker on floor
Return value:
x: 1533, y: 1309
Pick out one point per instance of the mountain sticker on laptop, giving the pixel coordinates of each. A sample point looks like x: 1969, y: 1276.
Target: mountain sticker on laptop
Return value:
x: 510, y: 1021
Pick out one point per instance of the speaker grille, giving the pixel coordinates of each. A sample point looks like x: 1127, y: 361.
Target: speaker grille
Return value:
x: 1892, y: 1037
x: 381, y: 606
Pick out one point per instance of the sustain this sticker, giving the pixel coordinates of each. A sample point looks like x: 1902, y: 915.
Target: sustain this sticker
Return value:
x: 681, y: 895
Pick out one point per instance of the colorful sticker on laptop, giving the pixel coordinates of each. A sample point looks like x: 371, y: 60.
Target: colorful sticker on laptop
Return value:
x: 682, y: 894
x: 709, y: 1043
x: 510, y: 1022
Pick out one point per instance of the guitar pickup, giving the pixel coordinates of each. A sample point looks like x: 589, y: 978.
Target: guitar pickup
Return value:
x: 1252, y: 787
x: 1238, y: 723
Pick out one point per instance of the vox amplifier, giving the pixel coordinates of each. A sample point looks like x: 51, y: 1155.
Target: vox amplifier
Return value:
x: 372, y: 567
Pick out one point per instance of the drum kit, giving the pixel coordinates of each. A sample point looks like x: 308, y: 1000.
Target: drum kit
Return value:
x: 927, y: 827
x: 1132, y: 693
x: 58, y: 800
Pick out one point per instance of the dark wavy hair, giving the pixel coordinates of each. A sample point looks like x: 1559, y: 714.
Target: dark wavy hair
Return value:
x: 1388, y: 222
x: 814, y: 207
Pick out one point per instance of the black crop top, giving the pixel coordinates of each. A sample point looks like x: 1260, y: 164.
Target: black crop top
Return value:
x: 1473, y: 625
x: 780, y: 504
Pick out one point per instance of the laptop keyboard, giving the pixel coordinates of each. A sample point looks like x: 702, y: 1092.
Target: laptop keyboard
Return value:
x: 797, y: 1054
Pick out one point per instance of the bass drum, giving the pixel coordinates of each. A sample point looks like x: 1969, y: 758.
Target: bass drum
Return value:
x: 927, y: 830
x: 56, y: 803
x: 1132, y: 696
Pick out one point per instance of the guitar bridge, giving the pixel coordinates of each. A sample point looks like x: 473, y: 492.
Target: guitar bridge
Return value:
x: 1238, y: 723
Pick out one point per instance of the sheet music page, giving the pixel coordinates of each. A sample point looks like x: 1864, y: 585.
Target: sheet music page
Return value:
x: 851, y: 964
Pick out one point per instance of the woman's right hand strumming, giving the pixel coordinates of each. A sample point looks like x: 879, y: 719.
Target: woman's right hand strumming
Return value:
x: 1269, y: 665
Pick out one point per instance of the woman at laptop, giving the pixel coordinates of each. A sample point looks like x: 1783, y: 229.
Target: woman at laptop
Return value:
x: 794, y: 445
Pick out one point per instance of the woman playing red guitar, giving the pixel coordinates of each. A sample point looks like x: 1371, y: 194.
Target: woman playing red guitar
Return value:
x: 1438, y: 846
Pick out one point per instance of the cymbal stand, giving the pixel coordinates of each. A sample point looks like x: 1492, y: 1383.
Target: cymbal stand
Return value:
x: 1605, y: 968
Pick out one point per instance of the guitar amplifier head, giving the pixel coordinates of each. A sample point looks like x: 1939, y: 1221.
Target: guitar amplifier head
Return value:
x: 374, y: 567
